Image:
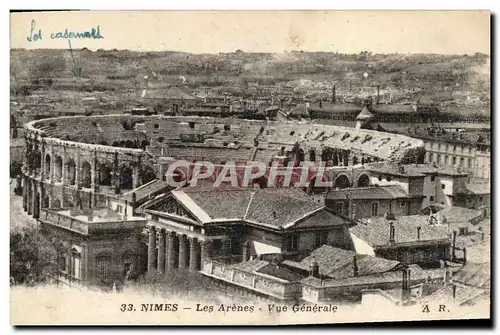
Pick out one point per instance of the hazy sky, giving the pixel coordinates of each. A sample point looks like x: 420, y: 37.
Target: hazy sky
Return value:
x: 449, y: 32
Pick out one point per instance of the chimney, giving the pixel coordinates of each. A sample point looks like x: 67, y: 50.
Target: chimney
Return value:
x: 134, y: 200
x: 314, y: 269
x: 447, y: 277
x: 454, y: 288
x: 453, y: 255
x: 334, y: 99
x: 418, y: 232
x: 321, y: 104
x: 125, y: 213
x: 281, y: 103
x: 355, y: 266
x: 378, y: 94
x: 465, y: 256
x: 274, y: 215
x: 391, y: 233
x: 406, y: 294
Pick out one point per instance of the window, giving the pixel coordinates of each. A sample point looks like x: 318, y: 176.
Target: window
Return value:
x: 62, y: 262
x: 454, y: 160
x: 103, y: 263
x: 374, y: 208
x: 339, y: 208
x: 388, y: 178
x: 191, y: 125
x: 321, y: 238
x: 402, y: 204
x: 431, y: 198
x: 445, y: 160
x: 380, y: 178
x: 75, y: 270
x: 443, y: 186
x: 447, y: 147
x: 433, y: 178
x: 469, y: 162
x: 292, y: 243
x: 292, y: 133
x: 438, y: 158
x: 156, y: 125
x: 227, y: 127
x: 454, y: 148
x: 461, y: 161
x: 119, y: 208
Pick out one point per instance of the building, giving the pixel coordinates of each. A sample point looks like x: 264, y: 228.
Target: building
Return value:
x: 365, y: 202
x: 436, y: 185
x: 414, y: 239
x: 96, y: 246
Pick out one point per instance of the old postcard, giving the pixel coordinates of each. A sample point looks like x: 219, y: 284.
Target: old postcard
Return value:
x: 249, y: 167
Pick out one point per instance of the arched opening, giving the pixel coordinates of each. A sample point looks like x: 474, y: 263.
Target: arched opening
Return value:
x: 105, y: 174
x: 363, y: 181
x: 86, y: 175
x: 126, y: 177
x: 326, y: 154
x: 312, y: 155
x: 342, y: 181
x: 354, y: 160
x: 71, y: 171
x: 70, y: 204
x: 47, y: 165
x: 299, y: 155
x: 115, y: 144
x: 59, y: 168
x: 129, y: 144
x: 57, y: 204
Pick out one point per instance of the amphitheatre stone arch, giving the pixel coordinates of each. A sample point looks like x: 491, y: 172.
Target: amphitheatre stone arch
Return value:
x: 363, y: 180
x: 342, y: 180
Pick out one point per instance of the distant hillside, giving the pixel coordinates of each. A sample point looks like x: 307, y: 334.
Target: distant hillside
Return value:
x: 127, y: 68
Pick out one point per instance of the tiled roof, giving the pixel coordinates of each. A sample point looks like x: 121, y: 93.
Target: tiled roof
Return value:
x: 147, y: 189
x: 279, y: 272
x: 479, y: 188
x: 339, y: 263
x: 336, y: 107
x: 462, y: 294
x: 459, y: 214
x: 377, y: 278
x: 474, y: 274
x: 373, y: 192
x: 376, y: 232
x: 274, y: 207
x: 414, y: 170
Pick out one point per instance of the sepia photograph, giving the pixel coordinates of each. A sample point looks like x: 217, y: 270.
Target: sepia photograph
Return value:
x: 249, y: 167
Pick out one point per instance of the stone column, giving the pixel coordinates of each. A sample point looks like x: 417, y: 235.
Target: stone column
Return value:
x: 52, y: 165
x: 30, y: 196
x: 43, y: 165
x: 194, y: 254
x: 135, y: 177
x: 64, y: 167
x: 152, y: 249
x: 161, y: 251
x: 172, y: 252
x: 183, y: 251
x: 36, y: 201
x: 25, y: 193
x: 78, y: 170
x: 84, y: 262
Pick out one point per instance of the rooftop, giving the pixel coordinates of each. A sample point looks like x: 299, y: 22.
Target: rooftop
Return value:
x: 414, y: 170
x: 339, y: 263
x: 371, y: 192
x: 376, y: 232
x: 474, y: 274
x: 272, y: 207
x: 97, y: 215
x: 459, y: 214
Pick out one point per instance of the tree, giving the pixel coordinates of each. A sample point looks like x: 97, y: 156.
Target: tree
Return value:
x: 32, y: 256
x: 414, y: 156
